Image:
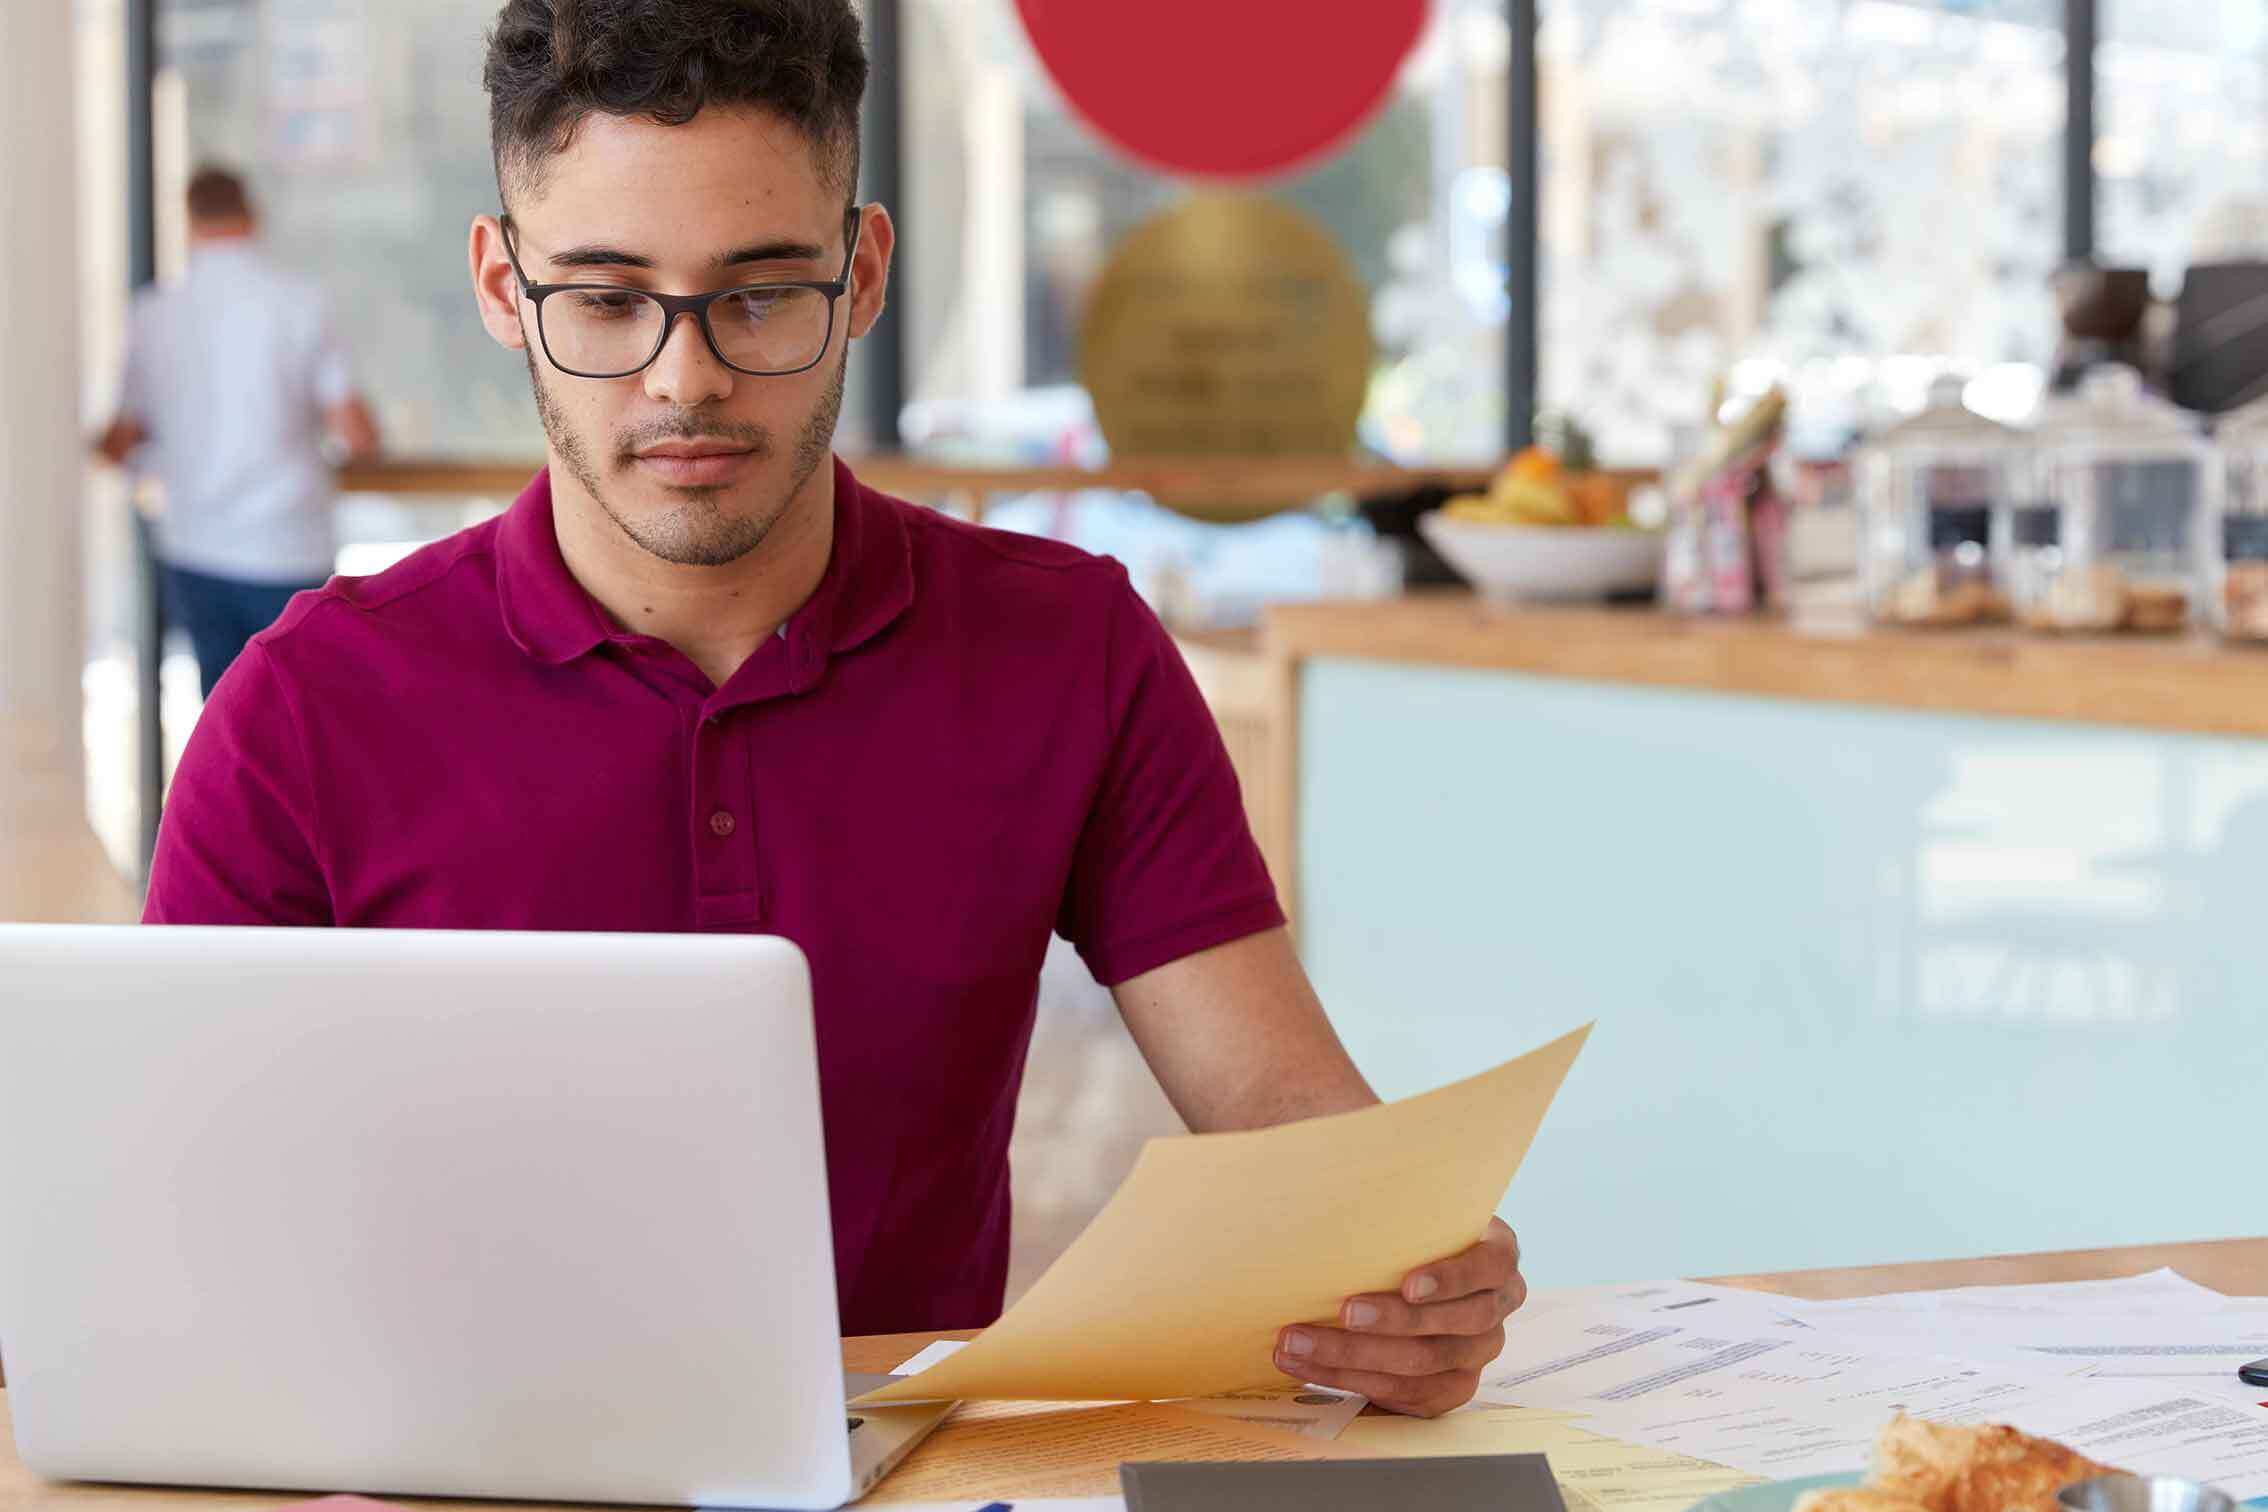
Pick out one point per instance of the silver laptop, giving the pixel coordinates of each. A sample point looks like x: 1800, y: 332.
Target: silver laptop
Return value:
x: 537, y: 1216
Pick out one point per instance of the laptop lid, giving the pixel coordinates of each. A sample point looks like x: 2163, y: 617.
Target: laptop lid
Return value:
x: 536, y: 1216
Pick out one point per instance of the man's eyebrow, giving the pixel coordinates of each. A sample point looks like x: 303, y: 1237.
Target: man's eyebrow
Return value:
x: 598, y: 257
x: 778, y: 250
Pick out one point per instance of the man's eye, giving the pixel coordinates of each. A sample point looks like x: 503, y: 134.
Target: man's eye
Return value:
x: 756, y: 304
x: 602, y: 305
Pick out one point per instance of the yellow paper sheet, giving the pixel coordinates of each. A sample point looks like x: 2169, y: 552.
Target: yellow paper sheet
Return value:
x: 1595, y: 1473
x: 1074, y: 1451
x: 1217, y: 1241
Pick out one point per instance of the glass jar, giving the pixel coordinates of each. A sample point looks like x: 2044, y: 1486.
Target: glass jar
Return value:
x: 2237, y: 546
x: 1932, y: 495
x: 2110, y: 535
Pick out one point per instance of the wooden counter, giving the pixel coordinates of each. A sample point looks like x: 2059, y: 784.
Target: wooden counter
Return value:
x: 2188, y: 683
x: 1823, y: 652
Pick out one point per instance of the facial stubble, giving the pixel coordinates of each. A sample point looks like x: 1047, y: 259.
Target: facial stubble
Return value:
x: 698, y: 530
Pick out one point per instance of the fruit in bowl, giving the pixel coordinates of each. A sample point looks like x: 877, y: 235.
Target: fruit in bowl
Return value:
x: 1535, y: 488
x: 1545, y: 532
x: 1545, y: 562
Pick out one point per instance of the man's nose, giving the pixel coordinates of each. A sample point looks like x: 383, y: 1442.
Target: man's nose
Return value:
x: 687, y: 373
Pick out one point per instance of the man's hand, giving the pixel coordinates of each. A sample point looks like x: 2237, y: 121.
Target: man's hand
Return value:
x: 1420, y: 1351
x: 117, y: 442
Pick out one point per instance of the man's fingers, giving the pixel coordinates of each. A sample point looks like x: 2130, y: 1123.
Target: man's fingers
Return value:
x: 1488, y: 1266
x: 1308, y: 1346
x: 1421, y: 1396
x: 1386, y: 1313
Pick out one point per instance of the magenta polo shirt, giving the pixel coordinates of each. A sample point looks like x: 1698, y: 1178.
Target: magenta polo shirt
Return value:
x: 966, y: 741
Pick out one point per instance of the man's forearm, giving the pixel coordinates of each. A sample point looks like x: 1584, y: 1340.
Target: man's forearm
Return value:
x: 1238, y: 1040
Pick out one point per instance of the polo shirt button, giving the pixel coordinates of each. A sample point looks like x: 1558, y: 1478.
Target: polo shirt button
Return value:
x: 720, y: 824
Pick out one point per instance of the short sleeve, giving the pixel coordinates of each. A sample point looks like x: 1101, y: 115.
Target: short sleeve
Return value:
x: 237, y: 843
x: 334, y: 370
x: 1165, y: 865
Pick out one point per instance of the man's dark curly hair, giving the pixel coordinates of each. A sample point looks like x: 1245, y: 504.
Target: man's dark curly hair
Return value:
x: 551, y: 63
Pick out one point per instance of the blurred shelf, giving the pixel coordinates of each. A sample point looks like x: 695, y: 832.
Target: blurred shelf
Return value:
x: 1255, y: 481
x: 2191, y: 683
x: 456, y: 480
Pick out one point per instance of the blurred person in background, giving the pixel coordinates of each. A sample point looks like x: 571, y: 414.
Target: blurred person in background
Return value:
x: 235, y: 381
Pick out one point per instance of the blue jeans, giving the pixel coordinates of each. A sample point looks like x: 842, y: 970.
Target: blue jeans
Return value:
x: 221, y: 614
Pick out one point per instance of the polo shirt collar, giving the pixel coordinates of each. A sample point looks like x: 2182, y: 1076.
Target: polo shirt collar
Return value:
x: 869, y: 577
x: 867, y: 585
x: 546, y: 612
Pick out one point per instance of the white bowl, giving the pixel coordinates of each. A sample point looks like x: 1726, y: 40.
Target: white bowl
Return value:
x: 1545, y: 562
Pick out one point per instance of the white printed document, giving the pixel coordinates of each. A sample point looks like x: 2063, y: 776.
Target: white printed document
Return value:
x: 1779, y: 1403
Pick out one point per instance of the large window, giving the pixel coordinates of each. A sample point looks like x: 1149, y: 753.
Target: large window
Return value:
x: 2181, y: 146
x: 362, y: 126
x: 1843, y: 197
x: 1013, y: 206
x: 1846, y: 195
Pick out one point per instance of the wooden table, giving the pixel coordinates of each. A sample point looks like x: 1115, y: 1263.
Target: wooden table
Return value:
x: 2235, y: 1266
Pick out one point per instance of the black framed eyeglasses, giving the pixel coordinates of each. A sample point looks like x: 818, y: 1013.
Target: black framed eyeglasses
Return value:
x: 766, y: 330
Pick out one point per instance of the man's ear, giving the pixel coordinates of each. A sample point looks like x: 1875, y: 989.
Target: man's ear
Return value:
x: 496, y: 289
x: 870, y: 269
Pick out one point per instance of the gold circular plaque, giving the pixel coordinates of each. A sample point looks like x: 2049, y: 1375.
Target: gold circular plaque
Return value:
x: 1227, y: 326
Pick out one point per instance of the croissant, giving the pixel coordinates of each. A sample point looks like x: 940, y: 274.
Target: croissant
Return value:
x: 1948, y: 1468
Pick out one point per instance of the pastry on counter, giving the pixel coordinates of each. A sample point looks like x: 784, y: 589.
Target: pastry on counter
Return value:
x: 1949, y: 1467
x: 2086, y: 598
x: 2155, y: 608
x: 1938, y: 598
x: 2244, y: 601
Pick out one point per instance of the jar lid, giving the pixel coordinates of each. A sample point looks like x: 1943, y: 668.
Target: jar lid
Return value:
x: 2112, y: 409
x: 2037, y: 525
x: 2244, y: 538
x: 1945, y: 423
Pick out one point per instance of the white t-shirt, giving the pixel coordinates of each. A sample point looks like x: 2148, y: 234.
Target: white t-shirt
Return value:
x: 230, y: 371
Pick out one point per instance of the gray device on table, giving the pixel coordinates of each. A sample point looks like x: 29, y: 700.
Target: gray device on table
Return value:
x: 1460, y: 1483
x: 500, y: 1215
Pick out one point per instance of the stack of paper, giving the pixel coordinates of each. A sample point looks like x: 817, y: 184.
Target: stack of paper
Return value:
x: 2139, y: 1373
x: 2161, y: 1327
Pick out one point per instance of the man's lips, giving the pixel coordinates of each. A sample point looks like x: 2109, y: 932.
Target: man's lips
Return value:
x: 694, y: 463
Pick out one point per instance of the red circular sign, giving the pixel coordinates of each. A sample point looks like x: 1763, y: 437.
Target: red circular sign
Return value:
x: 1224, y: 88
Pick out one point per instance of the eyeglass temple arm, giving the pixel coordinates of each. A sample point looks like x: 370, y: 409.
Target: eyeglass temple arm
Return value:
x: 511, y: 253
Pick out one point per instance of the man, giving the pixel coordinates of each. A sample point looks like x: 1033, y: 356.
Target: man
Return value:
x: 700, y: 678
x: 233, y: 377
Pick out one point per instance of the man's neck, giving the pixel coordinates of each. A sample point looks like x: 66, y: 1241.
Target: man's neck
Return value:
x: 717, y: 616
